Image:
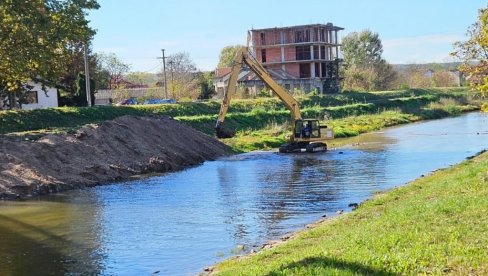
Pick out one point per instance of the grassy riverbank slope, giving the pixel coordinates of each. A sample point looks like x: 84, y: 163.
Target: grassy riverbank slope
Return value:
x: 434, y: 225
x: 261, y: 123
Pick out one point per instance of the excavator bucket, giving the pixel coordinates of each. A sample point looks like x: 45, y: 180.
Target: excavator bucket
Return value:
x: 223, y: 133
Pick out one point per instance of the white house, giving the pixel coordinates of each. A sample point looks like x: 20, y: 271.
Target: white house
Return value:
x: 39, y: 98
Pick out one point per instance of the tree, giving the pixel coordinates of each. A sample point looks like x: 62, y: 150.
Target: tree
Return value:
x: 36, y: 38
x: 114, y: 67
x: 474, y: 53
x: 364, y: 68
x: 183, y: 77
x: 142, y: 78
x: 227, y: 55
x: 80, y: 98
x: 363, y: 48
x: 205, y: 81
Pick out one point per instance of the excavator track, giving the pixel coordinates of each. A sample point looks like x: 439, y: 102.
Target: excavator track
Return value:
x: 316, y: 147
x: 292, y: 147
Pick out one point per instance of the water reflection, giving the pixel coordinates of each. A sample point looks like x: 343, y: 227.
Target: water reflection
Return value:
x: 49, y: 236
x: 180, y: 222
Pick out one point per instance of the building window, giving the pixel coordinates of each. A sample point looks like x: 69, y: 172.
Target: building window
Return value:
x: 317, y: 70
x: 322, y: 52
x: 32, y: 97
x: 302, y: 52
x: 298, y: 36
x: 304, y: 70
x: 263, y: 55
x: 316, y: 52
x: 324, y: 69
x: 263, y: 39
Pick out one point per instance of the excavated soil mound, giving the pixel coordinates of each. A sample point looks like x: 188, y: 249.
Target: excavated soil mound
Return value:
x: 111, y: 151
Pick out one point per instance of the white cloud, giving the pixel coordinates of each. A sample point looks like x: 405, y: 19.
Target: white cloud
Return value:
x: 420, y: 49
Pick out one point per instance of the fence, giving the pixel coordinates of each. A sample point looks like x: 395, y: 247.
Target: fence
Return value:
x: 116, y: 95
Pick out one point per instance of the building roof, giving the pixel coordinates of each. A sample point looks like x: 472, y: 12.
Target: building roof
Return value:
x: 247, y: 75
x: 328, y: 26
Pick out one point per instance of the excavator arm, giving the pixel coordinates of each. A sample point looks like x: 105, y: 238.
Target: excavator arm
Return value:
x: 244, y: 57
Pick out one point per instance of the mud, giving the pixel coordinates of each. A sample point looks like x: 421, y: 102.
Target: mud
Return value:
x: 96, y: 154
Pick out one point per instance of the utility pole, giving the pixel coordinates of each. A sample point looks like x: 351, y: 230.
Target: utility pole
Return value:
x: 87, y: 76
x: 164, y: 74
x: 172, y: 86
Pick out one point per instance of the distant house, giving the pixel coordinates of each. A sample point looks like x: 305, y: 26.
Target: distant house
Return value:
x: 119, y: 82
x: 38, y: 98
x: 251, y: 84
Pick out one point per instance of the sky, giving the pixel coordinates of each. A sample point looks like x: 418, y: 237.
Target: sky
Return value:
x: 412, y: 31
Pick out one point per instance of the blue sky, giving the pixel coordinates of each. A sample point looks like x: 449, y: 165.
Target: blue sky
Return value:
x: 412, y: 31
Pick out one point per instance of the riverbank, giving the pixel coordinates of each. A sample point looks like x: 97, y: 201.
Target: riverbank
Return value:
x: 33, y: 161
x: 261, y: 123
x: 110, y: 151
x: 434, y: 225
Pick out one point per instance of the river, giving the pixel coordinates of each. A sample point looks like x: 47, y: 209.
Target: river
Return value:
x: 178, y: 223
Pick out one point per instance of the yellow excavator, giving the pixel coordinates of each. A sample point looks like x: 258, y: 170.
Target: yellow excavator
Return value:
x: 307, y: 134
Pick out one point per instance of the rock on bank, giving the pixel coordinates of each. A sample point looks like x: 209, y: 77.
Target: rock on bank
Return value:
x: 111, y: 151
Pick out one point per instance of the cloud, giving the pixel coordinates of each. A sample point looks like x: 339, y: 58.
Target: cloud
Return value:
x: 420, y: 49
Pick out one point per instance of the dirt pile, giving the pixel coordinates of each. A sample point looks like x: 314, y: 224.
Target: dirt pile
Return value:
x: 111, y: 151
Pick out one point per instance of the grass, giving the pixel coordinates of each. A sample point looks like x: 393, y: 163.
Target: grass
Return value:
x: 351, y: 113
x: 434, y: 225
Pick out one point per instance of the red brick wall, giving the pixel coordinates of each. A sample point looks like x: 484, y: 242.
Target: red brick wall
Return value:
x: 273, y: 54
x: 290, y: 53
x: 293, y: 69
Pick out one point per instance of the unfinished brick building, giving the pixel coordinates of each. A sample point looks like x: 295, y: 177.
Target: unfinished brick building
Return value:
x: 308, y: 53
x: 299, y: 57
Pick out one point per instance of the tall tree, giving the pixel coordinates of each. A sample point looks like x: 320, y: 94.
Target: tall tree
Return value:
x: 363, y: 48
x: 36, y: 38
x: 183, y: 77
x: 227, y: 55
x: 364, y: 68
x: 474, y: 53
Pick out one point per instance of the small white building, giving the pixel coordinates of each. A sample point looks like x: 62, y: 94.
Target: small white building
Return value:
x: 38, y: 98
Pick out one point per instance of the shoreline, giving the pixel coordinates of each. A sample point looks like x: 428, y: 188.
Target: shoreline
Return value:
x: 297, y: 236
x: 114, y: 150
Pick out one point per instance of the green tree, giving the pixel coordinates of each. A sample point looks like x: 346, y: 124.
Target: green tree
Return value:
x: 80, y: 98
x: 227, y: 55
x: 205, y: 81
x: 36, y: 38
x: 363, y: 48
x: 474, y: 53
x: 364, y: 68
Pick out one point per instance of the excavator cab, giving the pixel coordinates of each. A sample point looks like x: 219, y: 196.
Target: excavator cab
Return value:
x: 308, y: 128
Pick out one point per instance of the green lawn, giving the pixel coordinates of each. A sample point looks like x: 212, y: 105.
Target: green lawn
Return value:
x: 435, y: 225
x: 261, y: 123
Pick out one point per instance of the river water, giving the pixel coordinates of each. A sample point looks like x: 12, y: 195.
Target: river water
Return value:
x: 178, y: 223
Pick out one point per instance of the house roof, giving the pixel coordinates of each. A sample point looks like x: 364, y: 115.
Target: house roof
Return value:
x: 248, y: 75
x: 220, y: 72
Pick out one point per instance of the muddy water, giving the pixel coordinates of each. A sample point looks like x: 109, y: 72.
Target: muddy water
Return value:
x: 179, y: 223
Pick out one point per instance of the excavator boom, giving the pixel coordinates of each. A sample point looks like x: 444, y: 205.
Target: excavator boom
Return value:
x: 297, y: 139
x: 244, y: 57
